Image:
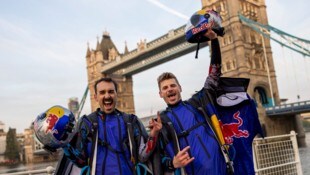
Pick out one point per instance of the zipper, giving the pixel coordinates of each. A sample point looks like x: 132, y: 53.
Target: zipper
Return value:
x: 105, y: 149
x: 203, y: 146
x: 120, y: 138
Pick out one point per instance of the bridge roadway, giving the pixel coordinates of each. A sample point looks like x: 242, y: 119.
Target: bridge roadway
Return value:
x: 289, y: 109
x: 163, y: 49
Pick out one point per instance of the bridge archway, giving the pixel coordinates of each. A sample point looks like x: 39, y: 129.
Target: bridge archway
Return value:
x: 261, y: 96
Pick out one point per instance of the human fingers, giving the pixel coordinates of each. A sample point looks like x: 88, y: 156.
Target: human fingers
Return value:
x: 158, y: 123
x: 210, y: 33
x: 151, y: 125
x: 151, y: 122
x: 188, y: 161
x: 184, y: 156
x: 213, y: 35
x: 158, y: 118
x: 157, y: 126
x: 184, y: 150
x: 179, y: 162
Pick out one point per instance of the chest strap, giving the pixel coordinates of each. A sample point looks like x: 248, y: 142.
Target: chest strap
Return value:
x: 107, y: 145
x: 185, y: 133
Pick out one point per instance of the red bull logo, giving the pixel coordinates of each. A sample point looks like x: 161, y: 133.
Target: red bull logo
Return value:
x: 51, y: 121
x: 231, y: 130
x: 202, y: 27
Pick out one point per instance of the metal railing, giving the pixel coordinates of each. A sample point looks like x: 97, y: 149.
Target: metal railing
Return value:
x: 48, y: 171
x: 290, y: 108
x: 277, y: 155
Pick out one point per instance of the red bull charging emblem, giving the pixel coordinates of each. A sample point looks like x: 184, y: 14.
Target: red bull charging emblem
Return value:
x: 232, y: 130
x: 51, y: 121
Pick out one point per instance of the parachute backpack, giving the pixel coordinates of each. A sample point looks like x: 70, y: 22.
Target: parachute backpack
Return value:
x: 199, y: 23
x: 54, y: 127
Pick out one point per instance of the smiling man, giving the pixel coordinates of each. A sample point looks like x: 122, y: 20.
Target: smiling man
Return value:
x: 188, y: 143
x: 105, y: 95
x: 119, y: 148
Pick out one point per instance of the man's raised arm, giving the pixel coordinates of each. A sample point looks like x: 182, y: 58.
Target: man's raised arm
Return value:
x: 215, y: 63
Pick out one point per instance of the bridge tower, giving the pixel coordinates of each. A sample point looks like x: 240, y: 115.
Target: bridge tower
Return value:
x: 105, y: 53
x: 242, y: 48
x: 247, y: 54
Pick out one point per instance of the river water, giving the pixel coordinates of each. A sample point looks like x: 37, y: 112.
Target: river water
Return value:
x: 304, y: 154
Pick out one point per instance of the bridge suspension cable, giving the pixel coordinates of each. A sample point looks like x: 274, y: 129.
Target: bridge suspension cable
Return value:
x: 81, y: 105
x: 292, y: 42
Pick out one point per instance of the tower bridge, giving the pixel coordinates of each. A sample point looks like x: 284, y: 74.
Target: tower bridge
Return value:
x: 245, y: 53
x: 165, y: 48
x: 289, y: 109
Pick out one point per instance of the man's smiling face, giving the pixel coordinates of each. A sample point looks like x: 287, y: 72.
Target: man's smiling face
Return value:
x: 170, y: 91
x: 106, y: 96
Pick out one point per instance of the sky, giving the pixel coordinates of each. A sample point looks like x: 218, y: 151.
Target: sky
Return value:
x: 43, y: 47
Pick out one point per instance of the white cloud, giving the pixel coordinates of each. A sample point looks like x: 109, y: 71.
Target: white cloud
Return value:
x: 168, y: 9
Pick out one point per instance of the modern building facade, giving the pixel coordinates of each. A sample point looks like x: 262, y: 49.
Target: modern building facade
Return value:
x: 2, y: 141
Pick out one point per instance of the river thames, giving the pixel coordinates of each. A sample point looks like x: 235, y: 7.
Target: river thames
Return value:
x: 303, y: 152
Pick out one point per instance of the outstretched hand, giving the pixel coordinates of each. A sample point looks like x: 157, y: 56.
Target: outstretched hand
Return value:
x: 182, y: 158
x: 210, y: 34
x: 155, y: 126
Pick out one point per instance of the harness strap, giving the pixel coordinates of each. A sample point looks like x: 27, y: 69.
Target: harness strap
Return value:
x: 140, y: 166
x: 129, y: 120
x: 132, y: 143
x: 186, y: 132
x: 107, y: 145
x: 197, y: 49
x: 171, y: 130
x: 93, y: 118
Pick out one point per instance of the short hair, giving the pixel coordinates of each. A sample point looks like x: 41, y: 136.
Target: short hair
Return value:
x: 105, y: 79
x: 166, y: 76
